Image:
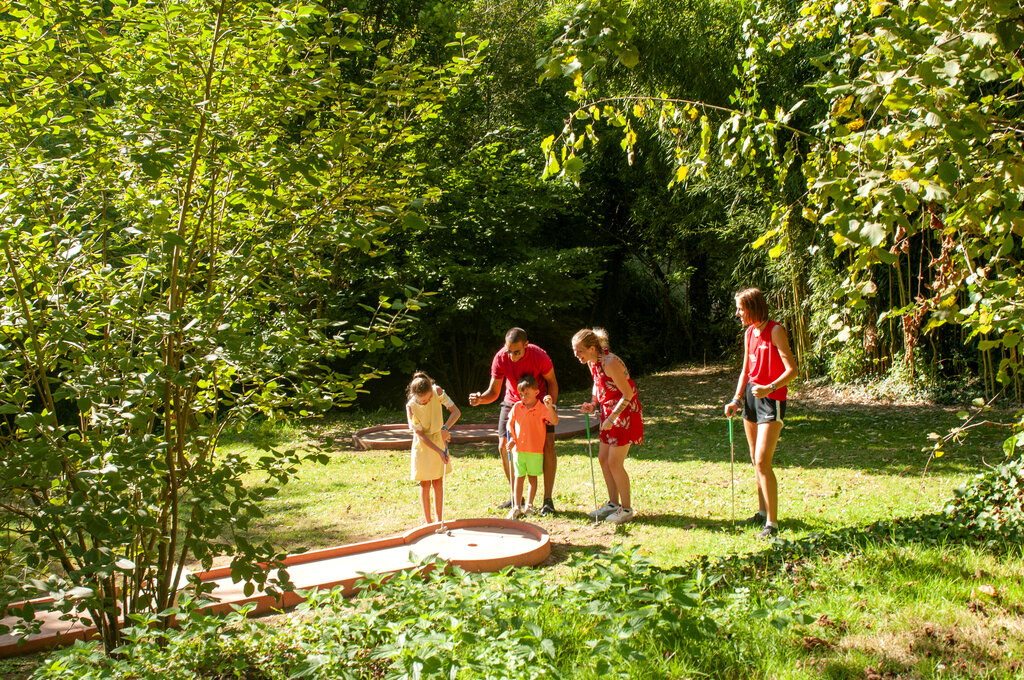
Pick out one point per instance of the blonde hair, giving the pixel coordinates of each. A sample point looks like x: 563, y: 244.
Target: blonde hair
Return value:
x: 591, y: 337
x: 419, y: 385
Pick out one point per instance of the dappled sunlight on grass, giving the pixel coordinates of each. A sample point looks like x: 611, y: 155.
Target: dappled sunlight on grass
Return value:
x: 837, y: 465
x: 902, y: 609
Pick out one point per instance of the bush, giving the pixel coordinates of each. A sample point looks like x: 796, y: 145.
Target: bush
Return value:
x: 990, y: 507
x: 617, y: 617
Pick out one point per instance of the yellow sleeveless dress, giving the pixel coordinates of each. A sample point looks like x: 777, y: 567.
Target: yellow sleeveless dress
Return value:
x: 425, y: 463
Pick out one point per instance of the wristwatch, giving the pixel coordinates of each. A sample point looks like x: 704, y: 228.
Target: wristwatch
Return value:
x: 772, y: 387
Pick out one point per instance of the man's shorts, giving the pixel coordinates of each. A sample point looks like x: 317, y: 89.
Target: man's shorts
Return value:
x: 762, y: 410
x: 503, y: 421
x: 531, y: 464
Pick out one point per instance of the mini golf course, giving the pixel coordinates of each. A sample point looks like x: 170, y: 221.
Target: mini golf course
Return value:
x: 478, y: 545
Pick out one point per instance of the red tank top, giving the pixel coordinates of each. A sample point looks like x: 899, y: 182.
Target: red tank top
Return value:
x: 764, y: 363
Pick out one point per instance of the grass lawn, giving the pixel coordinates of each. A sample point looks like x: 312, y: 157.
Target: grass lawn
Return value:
x: 882, y: 610
x: 838, y: 464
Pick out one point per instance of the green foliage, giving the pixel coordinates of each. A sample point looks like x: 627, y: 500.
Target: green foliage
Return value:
x: 180, y: 233
x: 680, y: 235
x: 617, y: 249
x: 499, y: 251
x: 902, y: 162
x: 617, y: 617
x: 990, y: 507
x: 917, y: 129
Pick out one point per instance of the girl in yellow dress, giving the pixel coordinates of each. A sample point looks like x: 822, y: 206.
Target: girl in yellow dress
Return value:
x: 429, y: 462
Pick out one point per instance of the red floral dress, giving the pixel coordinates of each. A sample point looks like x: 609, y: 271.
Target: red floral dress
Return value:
x: 628, y: 428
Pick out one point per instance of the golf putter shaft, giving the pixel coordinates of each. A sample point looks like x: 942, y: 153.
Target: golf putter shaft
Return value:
x: 732, y: 472
x: 590, y: 455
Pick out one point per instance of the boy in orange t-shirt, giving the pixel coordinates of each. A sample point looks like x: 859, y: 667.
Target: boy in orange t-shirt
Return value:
x: 527, y: 423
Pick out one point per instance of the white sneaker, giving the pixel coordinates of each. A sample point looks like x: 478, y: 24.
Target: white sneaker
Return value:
x: 516, y: 512
x: 528, y: 510
x: 620, y: 516
x: 604, y: 511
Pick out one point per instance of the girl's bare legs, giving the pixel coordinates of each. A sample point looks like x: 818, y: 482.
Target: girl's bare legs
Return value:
x: 438, y: 485
x: 604, y: 458
x: 768, y: 489
x: 425, y: 499
x: 519, y: 489
x: 613, y: 459
x: 762, y: 439
x: 750, y: 429
x: 533, y: 488
x: 617, y: 467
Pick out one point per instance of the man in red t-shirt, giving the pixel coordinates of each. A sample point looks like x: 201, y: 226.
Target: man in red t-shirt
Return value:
x: 516, y: 359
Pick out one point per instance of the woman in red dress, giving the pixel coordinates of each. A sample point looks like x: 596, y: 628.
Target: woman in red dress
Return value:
x: 622, y: 423
x: 768, y: 366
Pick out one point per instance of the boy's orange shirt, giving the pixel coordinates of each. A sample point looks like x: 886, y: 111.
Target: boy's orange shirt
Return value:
x: 527, y: 425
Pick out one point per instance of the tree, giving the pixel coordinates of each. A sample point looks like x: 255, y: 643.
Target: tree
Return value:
x: 185, y: 187
x: 633, y: 68
x: 503, y: 248
x: 919, y: 151
x: 908, y: 148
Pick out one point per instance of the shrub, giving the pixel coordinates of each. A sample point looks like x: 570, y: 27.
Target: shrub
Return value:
x: 617, y: 617
x: 990, y: 507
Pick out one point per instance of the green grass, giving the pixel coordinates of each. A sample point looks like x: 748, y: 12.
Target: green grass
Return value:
x: 898, y: 610
x: 837, y: 465
x: 888, y: 611
x: 882, y: 608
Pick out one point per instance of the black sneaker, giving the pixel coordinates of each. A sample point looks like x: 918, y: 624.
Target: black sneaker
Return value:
x: 506, y: 505
x: 757, y: 520
x: 548, y: 508
x: 768, y: 532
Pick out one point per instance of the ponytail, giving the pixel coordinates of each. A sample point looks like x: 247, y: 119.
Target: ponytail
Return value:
x: 419, y: 385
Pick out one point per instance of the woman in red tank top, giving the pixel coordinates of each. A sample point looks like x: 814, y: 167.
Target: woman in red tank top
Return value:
x: 768, y: 366
x: 617, y: 402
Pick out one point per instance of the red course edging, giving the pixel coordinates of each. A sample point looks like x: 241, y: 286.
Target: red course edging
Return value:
x: 478, y: 545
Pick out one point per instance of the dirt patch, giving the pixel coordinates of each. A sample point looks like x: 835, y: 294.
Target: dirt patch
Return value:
x: 872, y: 673
x: 969, y: 650
x: 850, y: 395
x: 815, y: 642
x: 569, y: 537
